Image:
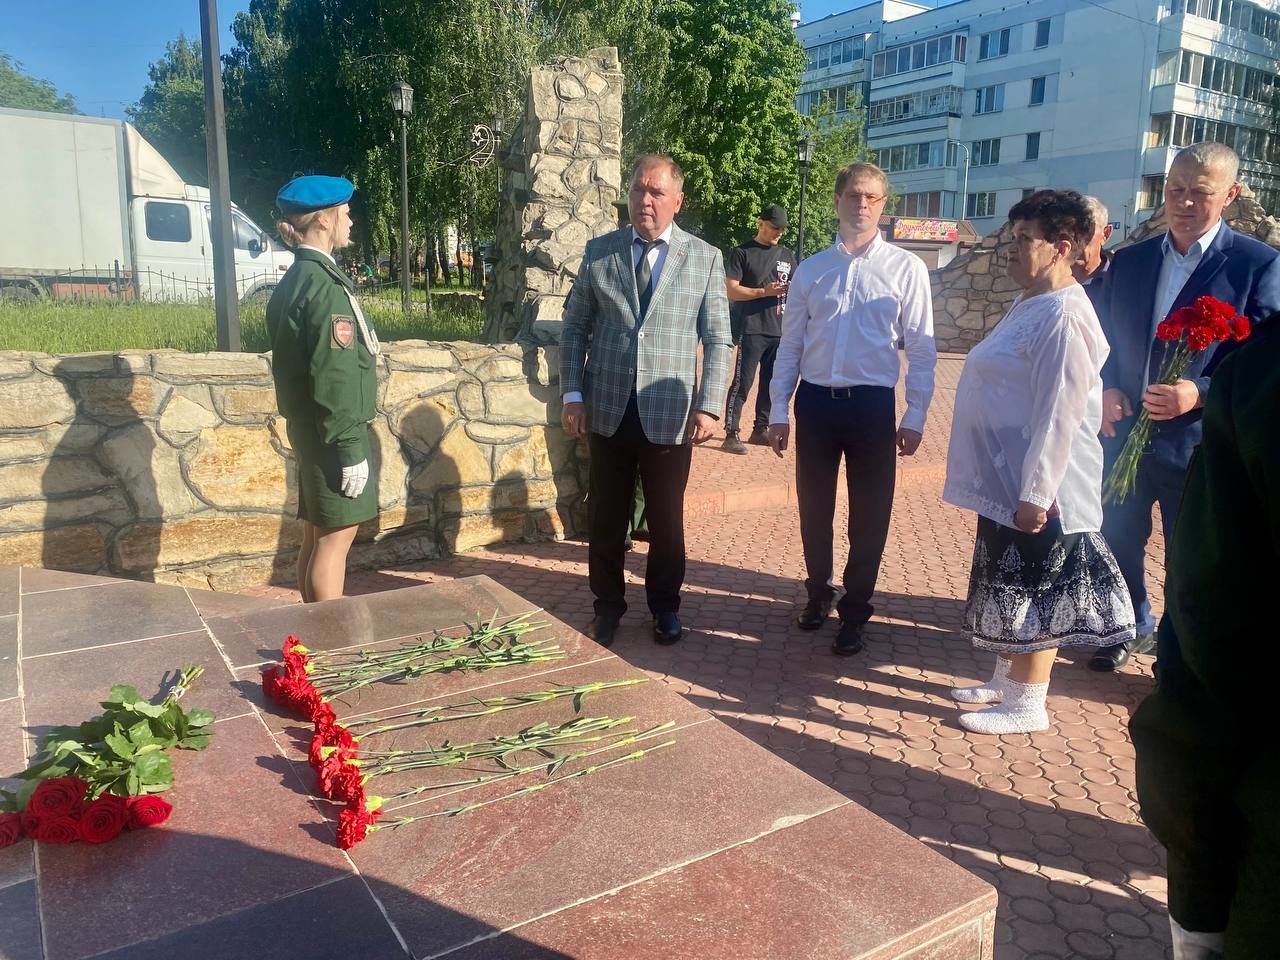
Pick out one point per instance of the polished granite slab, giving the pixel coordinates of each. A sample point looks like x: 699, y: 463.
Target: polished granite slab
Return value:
x: 711, y: 847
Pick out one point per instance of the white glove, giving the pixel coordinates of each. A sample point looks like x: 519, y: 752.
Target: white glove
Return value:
x: 354, y: 478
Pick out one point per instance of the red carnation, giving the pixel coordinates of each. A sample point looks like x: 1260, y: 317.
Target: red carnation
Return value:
x: 348, y: 784
x: 148, y: 811
x: 58, y: 828
x: 271, y: 683
x: 324, y: 718
x: 58, y: 795
x: 354, y: 823
x: 104, y: 818
x: 10, y: 829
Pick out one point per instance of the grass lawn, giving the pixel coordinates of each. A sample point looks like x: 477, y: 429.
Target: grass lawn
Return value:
x: 93, y: 326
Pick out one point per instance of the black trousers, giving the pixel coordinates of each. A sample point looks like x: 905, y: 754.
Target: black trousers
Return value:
x: 664, y: 473
x: 856, y: 423
x: 755, y: 350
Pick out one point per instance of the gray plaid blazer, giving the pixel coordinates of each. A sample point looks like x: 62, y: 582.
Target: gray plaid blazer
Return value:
x: 606, y: 350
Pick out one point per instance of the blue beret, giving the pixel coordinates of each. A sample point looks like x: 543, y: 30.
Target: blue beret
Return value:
x: 304, y: 194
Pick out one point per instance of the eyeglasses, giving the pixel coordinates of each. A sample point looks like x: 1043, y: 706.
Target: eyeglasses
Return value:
x: 871, y: 199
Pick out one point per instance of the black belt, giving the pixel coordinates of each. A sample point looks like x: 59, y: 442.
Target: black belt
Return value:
x: 841, y: 393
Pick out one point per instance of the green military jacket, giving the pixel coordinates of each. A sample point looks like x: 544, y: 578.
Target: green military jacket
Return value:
x: 324, y: 370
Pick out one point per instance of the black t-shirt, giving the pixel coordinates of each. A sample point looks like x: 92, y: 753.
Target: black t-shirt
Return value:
x: 756, y: 265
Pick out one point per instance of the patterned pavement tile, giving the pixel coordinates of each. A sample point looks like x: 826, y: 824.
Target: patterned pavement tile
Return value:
x: 1050, y: 819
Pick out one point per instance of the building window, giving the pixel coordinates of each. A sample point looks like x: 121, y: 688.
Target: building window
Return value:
x: 1027, y: 191
x: 1180, y: 130
x: 1234, y: 13
x: 168, y: 222
x: 926, y: 53
x: 939, y: 101
x: 1225, y: 76
x: 1042, y: 34
x: 979, y: 205
x: 985, y: 153
x: 1037, y: 91
x: 926, y: 204
x: 994, y: 44
x: 836, y: 53
x: 989, y: 99
x: 1033, y: 146
x: 915, y: 156
x: 1152, y: 193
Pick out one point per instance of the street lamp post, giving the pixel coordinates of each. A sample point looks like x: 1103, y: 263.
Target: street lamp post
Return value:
x: 964, y: 184
x: 402, y: 106
x: 497, y: 179
x: 804, y: 150
x: 226, y: 297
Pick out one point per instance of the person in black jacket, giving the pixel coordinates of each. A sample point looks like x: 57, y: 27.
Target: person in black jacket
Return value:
x: 1208, y: 769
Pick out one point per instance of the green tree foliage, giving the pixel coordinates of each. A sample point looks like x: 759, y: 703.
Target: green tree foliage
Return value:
x: 724, y: 107
x: 170, y: 113
x: 21, y: 91
x: 307, y: 82
x: 839, y: 140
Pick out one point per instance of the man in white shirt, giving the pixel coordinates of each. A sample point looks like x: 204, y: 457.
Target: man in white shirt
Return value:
x: 847, y: 308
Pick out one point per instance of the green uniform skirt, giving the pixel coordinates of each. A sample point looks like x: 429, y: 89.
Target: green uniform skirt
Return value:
x: 320, y: 499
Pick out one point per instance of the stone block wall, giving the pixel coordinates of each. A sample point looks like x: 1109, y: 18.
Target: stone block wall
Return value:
x: 973, y: 291
x: 176, y: 467
x: 562, y: 176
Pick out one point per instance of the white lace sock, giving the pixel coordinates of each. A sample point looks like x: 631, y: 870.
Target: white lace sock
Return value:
x: 990, y: 692
x: 1021, y: 712
x: 1191, y: 945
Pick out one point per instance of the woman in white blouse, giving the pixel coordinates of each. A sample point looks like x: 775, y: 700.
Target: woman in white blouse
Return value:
x: 1025, y: 457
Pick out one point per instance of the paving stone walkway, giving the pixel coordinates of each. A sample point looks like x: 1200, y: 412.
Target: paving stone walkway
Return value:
x: 1050, y: 819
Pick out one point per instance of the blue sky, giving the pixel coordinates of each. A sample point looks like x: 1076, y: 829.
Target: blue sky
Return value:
x: 99, y: 52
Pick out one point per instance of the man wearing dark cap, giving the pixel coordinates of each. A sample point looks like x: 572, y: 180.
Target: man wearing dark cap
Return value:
x: 757, y: 278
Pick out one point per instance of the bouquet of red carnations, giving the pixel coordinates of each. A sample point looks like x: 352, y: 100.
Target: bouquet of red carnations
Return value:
x: 93, y: 781
x: 1193, y: 329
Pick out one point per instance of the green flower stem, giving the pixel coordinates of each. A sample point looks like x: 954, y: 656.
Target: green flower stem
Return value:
x: 519, y: 654
x: 495, y: 748
x: 1124, y: 472
x: 532, y: 788
x: 486, y: 707
x: 550, y: 766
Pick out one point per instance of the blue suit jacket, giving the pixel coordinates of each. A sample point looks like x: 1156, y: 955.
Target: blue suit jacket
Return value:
x: 1236, y: 269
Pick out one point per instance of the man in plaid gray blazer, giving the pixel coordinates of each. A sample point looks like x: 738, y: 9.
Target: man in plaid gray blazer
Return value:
x: 644, y: 297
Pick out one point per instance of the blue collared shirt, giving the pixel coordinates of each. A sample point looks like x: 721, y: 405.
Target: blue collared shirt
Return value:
x: 1175, y: 270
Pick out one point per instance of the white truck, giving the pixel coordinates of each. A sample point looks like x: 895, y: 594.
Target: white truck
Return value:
x: 93, y: 210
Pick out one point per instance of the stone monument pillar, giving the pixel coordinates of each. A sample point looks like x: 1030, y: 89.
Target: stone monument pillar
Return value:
x: 562, y: 176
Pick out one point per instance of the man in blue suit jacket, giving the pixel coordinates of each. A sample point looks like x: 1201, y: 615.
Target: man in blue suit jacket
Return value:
x: 1199, y: 256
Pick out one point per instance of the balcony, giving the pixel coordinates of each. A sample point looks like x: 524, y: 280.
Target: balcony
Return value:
x: 937, y: 102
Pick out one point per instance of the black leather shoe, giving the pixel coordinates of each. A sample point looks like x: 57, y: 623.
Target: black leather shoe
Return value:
x: 759, y: 438
x: 602, y: 630
x: 1111, y: 659
x: 849, y: 640
x: 733, y: 445
x: 814, y: 615
x: 667, y: 628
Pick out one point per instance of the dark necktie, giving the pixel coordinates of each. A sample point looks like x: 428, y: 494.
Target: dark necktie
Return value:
x: 644, y: 274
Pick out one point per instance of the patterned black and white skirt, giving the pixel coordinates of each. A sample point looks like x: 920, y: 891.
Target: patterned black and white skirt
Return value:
x: 1040, y: 591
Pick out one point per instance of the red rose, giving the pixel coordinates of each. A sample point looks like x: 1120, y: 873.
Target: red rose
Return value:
x: 354, y: 823
x: 57, y: 795
x: 104, y: 818
x: 148, y: 811
x: 10, y: 829
x: 30, y: 823
x: 58, y: 828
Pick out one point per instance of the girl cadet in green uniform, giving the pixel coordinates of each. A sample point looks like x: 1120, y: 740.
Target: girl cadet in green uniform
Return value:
x: 323, y: 362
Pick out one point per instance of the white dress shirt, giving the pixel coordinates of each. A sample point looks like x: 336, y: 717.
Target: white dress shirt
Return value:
x: 657, y: 260
x: 1027, y: 414
x: 845, y: 316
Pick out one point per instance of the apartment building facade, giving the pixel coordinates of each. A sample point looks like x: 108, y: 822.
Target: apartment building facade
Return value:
x: 972, y: 105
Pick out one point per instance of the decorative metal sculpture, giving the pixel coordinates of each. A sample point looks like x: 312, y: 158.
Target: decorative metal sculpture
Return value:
x: 485, y: 144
